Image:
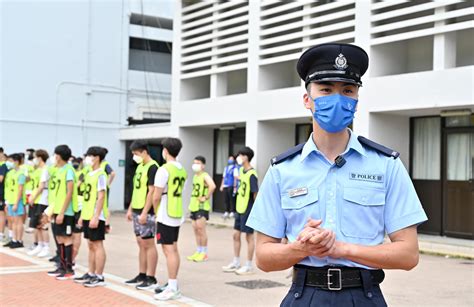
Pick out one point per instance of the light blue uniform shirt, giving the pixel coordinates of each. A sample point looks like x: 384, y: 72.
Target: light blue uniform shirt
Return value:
x: 369, y: 196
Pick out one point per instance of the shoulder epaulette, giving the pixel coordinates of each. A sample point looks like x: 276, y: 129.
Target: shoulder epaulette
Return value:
x: 287, y: 154
x: 378, y: 147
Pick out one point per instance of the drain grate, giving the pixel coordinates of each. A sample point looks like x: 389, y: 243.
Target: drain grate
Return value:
x: 256, y: 284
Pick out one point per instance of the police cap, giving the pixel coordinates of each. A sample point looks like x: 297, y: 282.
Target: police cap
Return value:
x: 333, y: 62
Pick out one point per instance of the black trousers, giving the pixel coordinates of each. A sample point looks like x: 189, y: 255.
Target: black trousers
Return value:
x: 229, y: 199
x: 306, y: 296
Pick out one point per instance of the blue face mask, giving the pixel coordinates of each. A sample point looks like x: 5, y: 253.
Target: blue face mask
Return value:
x: 9, y: 164
x: 231, y: 162
x: 334, y: 112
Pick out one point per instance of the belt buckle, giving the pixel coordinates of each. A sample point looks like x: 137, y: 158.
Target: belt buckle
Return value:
x: 339, y: 274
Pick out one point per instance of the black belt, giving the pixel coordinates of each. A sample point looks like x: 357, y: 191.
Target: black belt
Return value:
x: 335, y: 278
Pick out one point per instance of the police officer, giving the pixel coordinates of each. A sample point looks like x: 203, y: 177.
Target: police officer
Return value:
x: 336, y: 196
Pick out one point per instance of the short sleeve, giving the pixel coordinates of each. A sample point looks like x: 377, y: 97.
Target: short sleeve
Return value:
x: 151, y: 175
x: 267, y: 215
x: 3, y: 170
x: 161, y: 177
x: 70, y: 175
x: 101, y: 183
x: 44, y: 176
x: 21, y: 179
x: 402, y: 206
x: 253, y: 184
x: 108, y: 169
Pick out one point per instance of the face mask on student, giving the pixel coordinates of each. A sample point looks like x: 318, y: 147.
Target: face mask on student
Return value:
x: 334, y: 112
x: 88, y: 161
x: 196, y: 168
x: 240, y: 161
x: 137, y: 159
x: 9, y: 164
x: 35, y: 161
x: 230, y: 162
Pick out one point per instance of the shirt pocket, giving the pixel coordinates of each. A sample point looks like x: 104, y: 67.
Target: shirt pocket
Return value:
x: 298, y: 209
x: 362, y: 212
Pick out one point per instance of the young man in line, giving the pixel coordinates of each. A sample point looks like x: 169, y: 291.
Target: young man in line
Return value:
x: 142, y: 214
x: 203, y: 188
x: 65, y: 207
x: 168, y: 200
x: 15, y: 184
x: 246, y: 195
x: 93, y: 215
x: 3, y: 174
x: 39, y: 201
x: 227, y: 187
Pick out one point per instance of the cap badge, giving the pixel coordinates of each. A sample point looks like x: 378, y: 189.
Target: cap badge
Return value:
x: 340, y: 62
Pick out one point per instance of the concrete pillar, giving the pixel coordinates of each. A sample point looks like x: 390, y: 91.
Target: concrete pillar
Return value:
x: 254, y: 29
x: 444, y: 46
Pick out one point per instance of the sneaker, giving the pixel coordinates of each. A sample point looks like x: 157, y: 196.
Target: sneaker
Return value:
x: 65, y: 275
x: 84, y: 278
x: 56, y: 272
x: 35, y: 251
x: 137, y: 280
x: 245, y: 270
x: 32, y: 246
x: 231, y: 215
x: 147, y: 284
x: 95, y: 282
x: 44, y: 252
x: 29, y: 230
x: 225, y: 215
x: 17, y: 245
x: 191, y: 258
x: 160, y: 289
x: 201, y: 257
x: 7, y: 244
x: 232, y: 267
x: 168, y: 294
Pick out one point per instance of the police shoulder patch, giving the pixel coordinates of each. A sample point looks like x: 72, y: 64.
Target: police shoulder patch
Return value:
x: 378, y: 147
x: 287, y: 154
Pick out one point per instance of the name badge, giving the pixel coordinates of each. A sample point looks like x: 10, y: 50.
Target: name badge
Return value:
x: 366, y: 177
x: 298, y: 192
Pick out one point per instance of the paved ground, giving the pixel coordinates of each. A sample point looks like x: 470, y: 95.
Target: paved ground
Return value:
x: 437, y: 281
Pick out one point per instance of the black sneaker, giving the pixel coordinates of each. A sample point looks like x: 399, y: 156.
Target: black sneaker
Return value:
x: 160, y: 289
x: 56, y: 272
x: 65, y: 275
x: 8, y: 244
x: 54, y: 259
x: 83, y: 279
x: 137, y: 280
x: 148, y: 283
x: 17, y: 245
x: 95, y: 282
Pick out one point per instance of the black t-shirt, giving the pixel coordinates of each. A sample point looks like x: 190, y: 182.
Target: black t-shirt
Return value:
x: 3, y: 172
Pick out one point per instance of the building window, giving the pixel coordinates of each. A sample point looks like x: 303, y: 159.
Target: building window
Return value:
x: 149, y: 55
x: 427, y: 148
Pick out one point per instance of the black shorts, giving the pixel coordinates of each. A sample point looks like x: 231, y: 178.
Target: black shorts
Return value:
x: 165, y: 234
x: 76, y: 228
x: 199, y: 214
x: 94, y: 234
x: 241, y: 221
x: 64, y: 229
x: 35, y: 220
x: 31, y: 211
x: 2, y: 205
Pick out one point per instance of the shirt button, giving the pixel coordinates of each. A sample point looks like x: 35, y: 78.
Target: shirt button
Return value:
x: 369, y: 294
x: 297, y: 295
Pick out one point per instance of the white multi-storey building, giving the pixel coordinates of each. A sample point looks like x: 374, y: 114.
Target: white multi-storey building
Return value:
x: 75, y: 72
x: 234, y: 82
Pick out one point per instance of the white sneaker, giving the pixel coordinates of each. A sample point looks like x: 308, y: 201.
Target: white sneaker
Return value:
x: 168, y: 294
x: 231, y: 215
x: 29, y: 230
x: 225, y: 215
x: 232, y: 267
x: 44, y: 252
x: 35, y: 250
x: 245, y: 270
